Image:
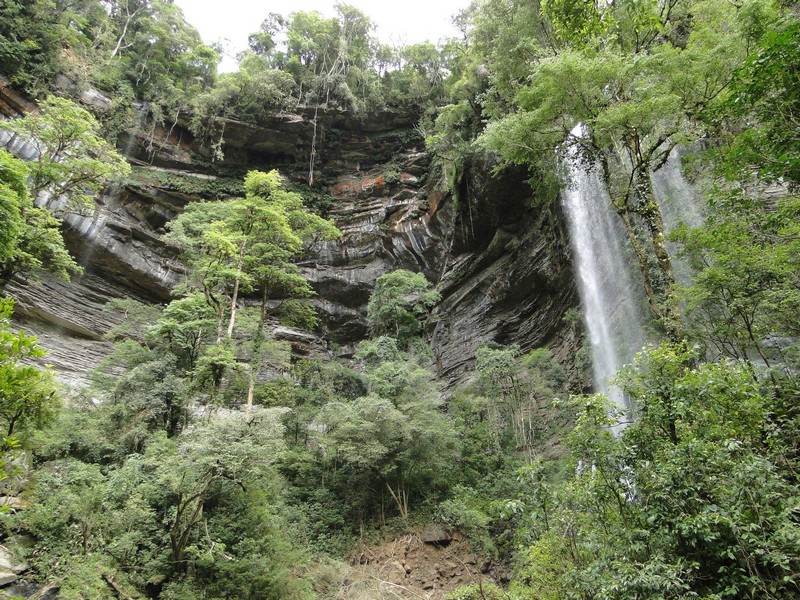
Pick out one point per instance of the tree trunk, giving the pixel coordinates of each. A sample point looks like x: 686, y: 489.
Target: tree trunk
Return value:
x: 639, y: 200
x: 258, y: 345
x: 235, y: 294
x: 313, y: 156
x: 128, y: 20
x: 651, y: 213
x: 400, y: 498
x: 181, y: 528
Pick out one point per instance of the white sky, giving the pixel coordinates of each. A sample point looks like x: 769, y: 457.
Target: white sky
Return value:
x: 398, y: 21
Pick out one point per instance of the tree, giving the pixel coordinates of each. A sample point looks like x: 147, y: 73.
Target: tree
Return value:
x: 399, y: 304
x: 184, y: 328
x: 765, y: 94
x: 28, y: 398
x: 161, y: 56
x: 521, y: 388
x: 30, y: 238
x: 743, y: 299
x: 692, y: 499
x: 155, y: 514
x: 27, y: 394
x: 234, y: 449
x: 247, y: 245
x: 745, y: 288
x: 250, y: 94
x: 30, y: 35
x: 395, y: 438
x: 72, y: 159
x: 13, y: 196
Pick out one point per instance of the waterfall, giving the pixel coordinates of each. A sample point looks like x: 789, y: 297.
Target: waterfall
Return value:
x: 675, y: 195
x: 679, y: 206
x: 608, y: 283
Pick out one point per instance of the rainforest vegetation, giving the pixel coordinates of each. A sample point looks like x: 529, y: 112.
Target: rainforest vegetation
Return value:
x: 183, y: 472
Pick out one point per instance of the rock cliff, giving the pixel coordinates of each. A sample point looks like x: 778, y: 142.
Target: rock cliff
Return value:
x: 502, y: 265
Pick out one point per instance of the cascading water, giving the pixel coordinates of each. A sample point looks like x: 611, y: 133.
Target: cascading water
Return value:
x: 675, y: 195
x: 611, y: 297
x: 679, y: 206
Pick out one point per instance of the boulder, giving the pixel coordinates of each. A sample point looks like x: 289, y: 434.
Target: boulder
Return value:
x: 10, y: 567
x: 436, y: 534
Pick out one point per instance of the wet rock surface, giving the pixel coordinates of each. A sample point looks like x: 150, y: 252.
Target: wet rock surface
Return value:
x: 508, y: 279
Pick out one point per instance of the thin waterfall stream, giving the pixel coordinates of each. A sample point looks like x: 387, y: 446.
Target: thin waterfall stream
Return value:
x: 610, y: 292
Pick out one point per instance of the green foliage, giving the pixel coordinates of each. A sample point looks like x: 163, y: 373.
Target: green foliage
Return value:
x: 247, y: 244
x: 80, y: 431
x: 471, y: 515
x: 329, y: 58
x: 30, y: 36
x: 150, y: 397
x: 399, y: 304
x: 136, y: 318
x: 688, y: 499
x: 251, y: 94
x: 142, y: 493
x: 28, y: 396
x: 41, y: 247
x: 478, y: 591
x: 30, y: 238
x: 13, y: 195
x: 236, y: 247
x: 522, y: 389
x: 72, y: 158
x: 743, y: 297
x: 745, y: 287
x: 766, y: 91
x: 575, y: 21
x: 145, y: 519
x: 143, y: 45
x: 68, y: 513
x: 217, y: 363
x: 208, y: 189
x: 147, y: 45
x: 395, y: 439
x: 184, y: 328
x: 640, y: 78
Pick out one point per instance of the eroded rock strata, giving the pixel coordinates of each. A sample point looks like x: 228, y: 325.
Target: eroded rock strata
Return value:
x: 501, y: 264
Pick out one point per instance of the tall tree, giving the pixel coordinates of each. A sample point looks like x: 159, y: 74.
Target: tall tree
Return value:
x: 744, y: 298
x: 248, y: 244
x: 30, y: 35
x: 399, y: 304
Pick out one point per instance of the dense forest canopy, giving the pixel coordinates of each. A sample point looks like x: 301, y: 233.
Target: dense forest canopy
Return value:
x: 183, y: 472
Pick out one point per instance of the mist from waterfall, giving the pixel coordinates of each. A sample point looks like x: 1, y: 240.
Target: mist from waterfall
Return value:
x: 676, y: 197
x: 679, y: 206
x: 609, y: 285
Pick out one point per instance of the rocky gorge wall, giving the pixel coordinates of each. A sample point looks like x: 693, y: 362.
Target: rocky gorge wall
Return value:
x: 503, y: 266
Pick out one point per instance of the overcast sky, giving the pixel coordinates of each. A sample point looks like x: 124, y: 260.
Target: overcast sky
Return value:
x: 398, y: 21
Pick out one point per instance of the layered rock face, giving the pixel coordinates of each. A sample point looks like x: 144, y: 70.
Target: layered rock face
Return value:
x: 502, y: 266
